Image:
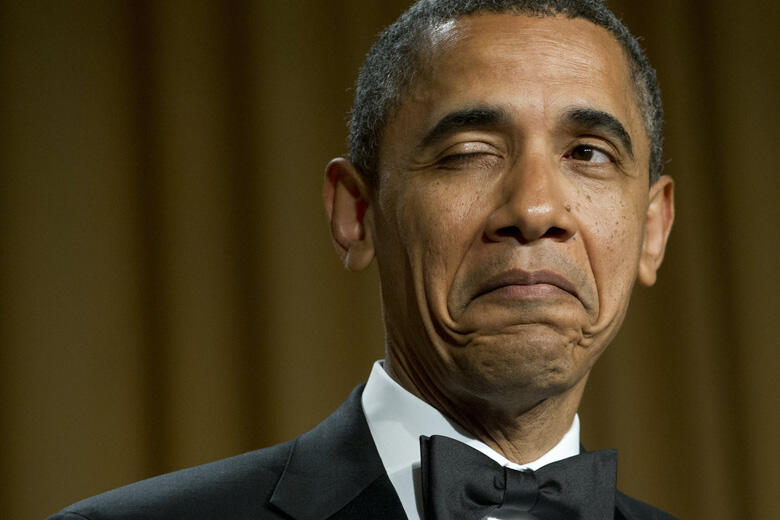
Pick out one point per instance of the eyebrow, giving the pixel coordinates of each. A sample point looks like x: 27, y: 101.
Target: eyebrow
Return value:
x: 468, y: 118
x: 592, y: 119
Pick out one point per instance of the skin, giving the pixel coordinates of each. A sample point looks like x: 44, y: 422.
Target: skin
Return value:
x: 509, y: 239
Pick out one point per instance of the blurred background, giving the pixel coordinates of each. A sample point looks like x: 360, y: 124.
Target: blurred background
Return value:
x: 168, y: 290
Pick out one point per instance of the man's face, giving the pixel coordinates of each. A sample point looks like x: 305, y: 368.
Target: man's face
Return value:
x: 509, y: 219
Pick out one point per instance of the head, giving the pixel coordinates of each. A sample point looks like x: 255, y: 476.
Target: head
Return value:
x: 509, y: 198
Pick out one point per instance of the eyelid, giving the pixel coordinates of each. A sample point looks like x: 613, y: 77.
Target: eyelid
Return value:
x: 603, y: 144
x: 471, y: 153
x: 471, y: 147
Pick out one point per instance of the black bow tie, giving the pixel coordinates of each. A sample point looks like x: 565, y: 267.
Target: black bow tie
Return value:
x: 460, y: 483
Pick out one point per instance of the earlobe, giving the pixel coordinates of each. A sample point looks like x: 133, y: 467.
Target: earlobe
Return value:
x: 658, y: 224
x: 345, y: 195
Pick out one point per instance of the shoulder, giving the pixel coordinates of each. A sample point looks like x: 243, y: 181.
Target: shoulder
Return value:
x: 238, y: 487
x: 633, y: 509
x: 241, y: 487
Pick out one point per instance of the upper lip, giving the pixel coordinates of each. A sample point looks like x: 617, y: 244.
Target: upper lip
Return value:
x: 521, y: 277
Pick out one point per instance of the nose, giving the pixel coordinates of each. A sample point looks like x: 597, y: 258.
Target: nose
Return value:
x: 531, y: 204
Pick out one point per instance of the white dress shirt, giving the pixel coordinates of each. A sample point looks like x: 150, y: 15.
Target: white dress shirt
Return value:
x: 397, y: 418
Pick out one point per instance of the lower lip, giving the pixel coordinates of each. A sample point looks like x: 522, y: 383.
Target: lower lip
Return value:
x: 526, y: 292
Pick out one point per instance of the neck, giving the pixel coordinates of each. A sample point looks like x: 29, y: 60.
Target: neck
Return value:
x: 521, y: 429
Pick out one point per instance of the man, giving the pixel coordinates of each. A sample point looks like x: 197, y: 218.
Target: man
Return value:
x: 505, y: 171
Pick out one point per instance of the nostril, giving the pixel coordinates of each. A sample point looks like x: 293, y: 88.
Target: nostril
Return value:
x: 516, y: 233
x: 555, y: 232
x: 511, y: 232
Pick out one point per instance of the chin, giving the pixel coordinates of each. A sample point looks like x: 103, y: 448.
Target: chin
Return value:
x: 527, y: 368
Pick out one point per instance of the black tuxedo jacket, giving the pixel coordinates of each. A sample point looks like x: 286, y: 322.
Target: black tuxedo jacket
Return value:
x: 333, y: 472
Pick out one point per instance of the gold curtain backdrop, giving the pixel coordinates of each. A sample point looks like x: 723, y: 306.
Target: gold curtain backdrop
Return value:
x: 168, y: 290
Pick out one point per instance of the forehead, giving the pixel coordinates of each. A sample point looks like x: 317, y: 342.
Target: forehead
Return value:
x: 536, y: 67
x: 527, y: 46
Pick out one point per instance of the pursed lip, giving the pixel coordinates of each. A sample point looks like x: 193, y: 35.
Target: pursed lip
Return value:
x: 521, y: 277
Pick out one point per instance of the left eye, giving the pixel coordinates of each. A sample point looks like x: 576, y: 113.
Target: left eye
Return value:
x: 469, y: 160
x: 589, y: 154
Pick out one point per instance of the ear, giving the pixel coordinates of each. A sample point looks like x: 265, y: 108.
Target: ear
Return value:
x: 345, y: 195
x: 658, y: 224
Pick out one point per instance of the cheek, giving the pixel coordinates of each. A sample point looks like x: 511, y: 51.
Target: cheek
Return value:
x: 612, y: 233
x: 439, y: 222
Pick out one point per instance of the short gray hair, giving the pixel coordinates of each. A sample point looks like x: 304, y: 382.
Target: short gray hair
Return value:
x: 391, y: 64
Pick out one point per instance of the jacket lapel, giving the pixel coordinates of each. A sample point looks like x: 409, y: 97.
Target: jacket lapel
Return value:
x: 335, y: 472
